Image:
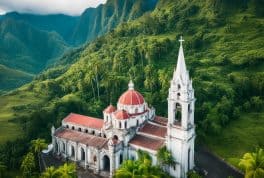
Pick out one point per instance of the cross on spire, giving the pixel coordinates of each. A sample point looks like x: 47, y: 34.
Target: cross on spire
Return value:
x: 181, y: 40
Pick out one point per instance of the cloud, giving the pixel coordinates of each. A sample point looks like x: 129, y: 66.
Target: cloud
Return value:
x: 70, y: 7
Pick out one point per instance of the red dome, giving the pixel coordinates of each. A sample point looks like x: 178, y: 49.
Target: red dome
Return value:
x: 110, y: 109
x: 131, y: 97
x: 121, y: 115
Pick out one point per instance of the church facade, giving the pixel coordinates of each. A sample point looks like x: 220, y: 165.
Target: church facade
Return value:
x: 103, y: 144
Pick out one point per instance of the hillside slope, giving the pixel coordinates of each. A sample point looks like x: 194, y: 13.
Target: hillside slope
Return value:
x: 97, y: 21
x: 11, y: 78
x: 26, y: 48
x: 224, y: 52
x: 48, y: 23
x: 31, y: 42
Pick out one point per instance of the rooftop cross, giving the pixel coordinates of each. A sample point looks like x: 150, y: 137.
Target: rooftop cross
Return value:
x: 181, y: 40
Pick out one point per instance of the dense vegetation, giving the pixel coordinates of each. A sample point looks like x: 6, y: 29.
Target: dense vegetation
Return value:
x: 30, y: 43
x: 140, y: 168
x: 253, y: 164
x: 97, y: 21
x: 224, y: 53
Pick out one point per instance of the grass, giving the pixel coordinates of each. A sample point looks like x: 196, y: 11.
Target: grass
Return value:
x: 9, y: 128
x: 241, y: 136
x: 12, y: 78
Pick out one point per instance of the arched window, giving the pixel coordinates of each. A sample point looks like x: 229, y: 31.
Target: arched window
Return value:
x: 94, y: 159
x: 86, y: 130
x: 93, y: 132
x: 104, y: 136
x: 120, y: 124
x: 125, y: 124
x: 79, y: 129
x: 72, y: 127
x: 178, y: 116
x: 189, y: 108
x: 67, y: 126
x: 137, y: 122
x: 179, y: 86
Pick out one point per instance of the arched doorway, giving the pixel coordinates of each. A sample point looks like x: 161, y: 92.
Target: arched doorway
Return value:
x: 72, y: 151
x: 82, y: 154
x: 115, y: 137
x: 189, y: 157
x: 106, y: 163
x: 121, y: 158
x: 56, y: 147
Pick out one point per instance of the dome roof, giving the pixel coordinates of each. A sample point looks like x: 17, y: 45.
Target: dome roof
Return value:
x: 110, y: 109
x: 131, y: 96
x: 121, y: 115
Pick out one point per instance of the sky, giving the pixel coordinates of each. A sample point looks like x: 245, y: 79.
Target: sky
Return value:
x: 69, y: 7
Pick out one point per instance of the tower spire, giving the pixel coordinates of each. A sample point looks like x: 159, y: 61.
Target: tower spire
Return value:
x: 131, y: 85
x: 181, y: 66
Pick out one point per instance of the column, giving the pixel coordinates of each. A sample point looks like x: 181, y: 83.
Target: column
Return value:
x: 76, y: 151
x: 85, y: 158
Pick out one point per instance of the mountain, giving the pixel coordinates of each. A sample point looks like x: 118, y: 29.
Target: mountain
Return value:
x: 31, y: 42
x: 11, y: 78
x: 91, y: 24
x: 26, y: 48
x: 224, y: 53
x: 97, y: 21
x: 48, y: 23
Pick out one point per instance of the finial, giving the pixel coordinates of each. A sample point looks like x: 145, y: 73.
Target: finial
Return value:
x: 181, y: 40
x: 131, y: 85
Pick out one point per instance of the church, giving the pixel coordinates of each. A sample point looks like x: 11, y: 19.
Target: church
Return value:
x: 103, y: 144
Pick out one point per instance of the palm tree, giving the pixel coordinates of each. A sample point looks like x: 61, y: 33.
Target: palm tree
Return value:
x: 50, y: 172
x: 67, y: 171
x: 2, y: 169
x: 140, y: 168
x: 165, y: 158
x: 37, y: 146
x: 28, y: 165
x: 253, y: 164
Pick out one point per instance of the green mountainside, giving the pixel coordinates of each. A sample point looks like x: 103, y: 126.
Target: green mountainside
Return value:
x: 97, y: 21
x: 11, y: 78
x: 30, y: 42
x: 26, y: 48
x: 224, y: 53
x: 55, y: 23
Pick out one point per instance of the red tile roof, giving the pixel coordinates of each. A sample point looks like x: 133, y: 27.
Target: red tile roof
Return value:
x: 131, y: 97
x: 161, y: 120
x: 86, y: 121
x: 154, y: 130
x: 121, y: 115
x: 110, y: 109
x: 83, y: 138
x: 147, y: 142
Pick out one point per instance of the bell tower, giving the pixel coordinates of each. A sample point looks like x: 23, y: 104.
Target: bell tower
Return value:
x: 181, y: 129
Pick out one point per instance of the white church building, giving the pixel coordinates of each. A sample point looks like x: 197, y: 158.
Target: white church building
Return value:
x: 103, y: 144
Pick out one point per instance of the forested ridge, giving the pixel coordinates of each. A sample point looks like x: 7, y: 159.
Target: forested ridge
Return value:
x: 224, y: 53
x: 32, y: 43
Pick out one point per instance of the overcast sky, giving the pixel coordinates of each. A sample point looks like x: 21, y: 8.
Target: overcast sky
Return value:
x: 69, y: 7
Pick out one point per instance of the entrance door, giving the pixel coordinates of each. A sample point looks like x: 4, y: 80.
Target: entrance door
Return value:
x: 82, y: 154
x: 106, y: 161
x: 189, y: 157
